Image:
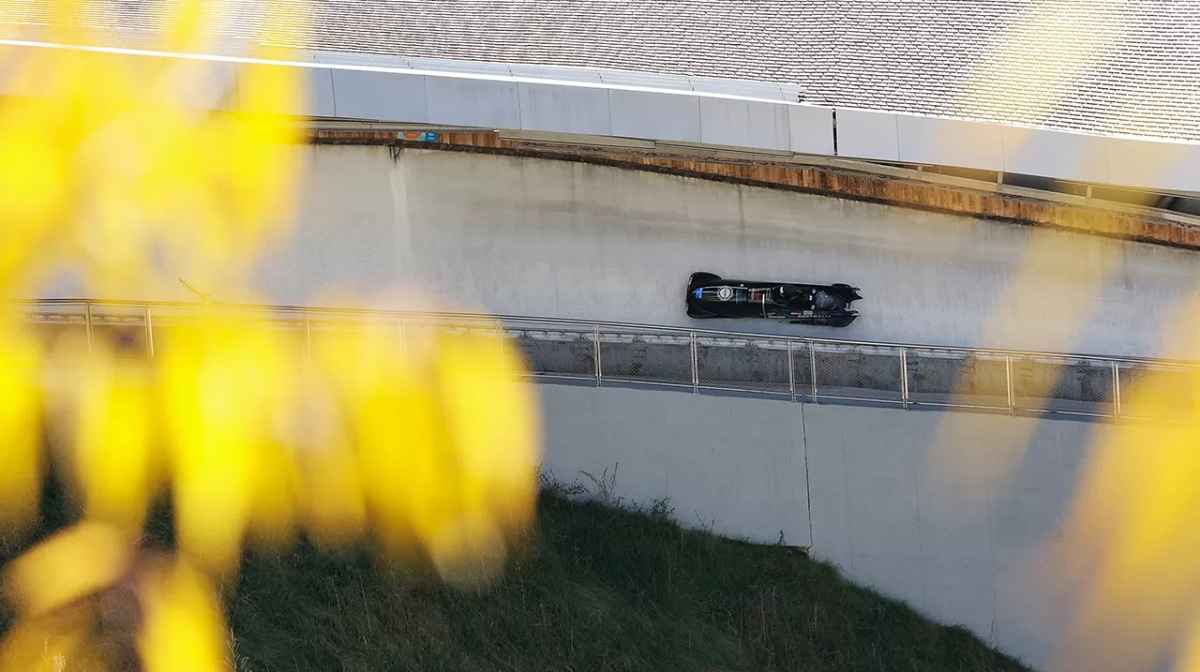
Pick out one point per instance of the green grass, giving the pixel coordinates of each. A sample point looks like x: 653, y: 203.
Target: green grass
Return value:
x: 593, y: 588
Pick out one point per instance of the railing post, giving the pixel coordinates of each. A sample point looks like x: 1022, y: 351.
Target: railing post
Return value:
x: 1008, y: 381
x: 904, y: 377
x: 500, y: 339
x: 596, y: 353
x: 307, y: 335
x: 1116, y: 374
x: 695, y: 366
x: 149, y: 333
x: 812, y: 368
x: 791, y: 364
x: 400, y: 331
x: 87, y: 321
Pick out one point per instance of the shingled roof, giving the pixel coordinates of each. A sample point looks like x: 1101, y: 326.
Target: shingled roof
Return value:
x: 1127, y: 67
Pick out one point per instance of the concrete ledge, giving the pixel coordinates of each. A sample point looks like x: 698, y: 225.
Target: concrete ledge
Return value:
x: 1099, y: 218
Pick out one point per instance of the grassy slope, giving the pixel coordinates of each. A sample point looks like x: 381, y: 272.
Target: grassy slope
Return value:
x: 596, y: 589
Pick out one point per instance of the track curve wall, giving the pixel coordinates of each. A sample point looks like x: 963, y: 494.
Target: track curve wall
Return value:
x: 551, y: 238
x: 856, y: 486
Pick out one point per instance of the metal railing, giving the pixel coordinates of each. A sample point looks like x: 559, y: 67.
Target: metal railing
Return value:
x: 792, y: 368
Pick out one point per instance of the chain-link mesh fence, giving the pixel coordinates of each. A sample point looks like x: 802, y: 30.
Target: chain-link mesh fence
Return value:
x: 1157, y: 391
x: 554, y: 352
x: 958, y: 378
x: 423, y: 332
x: 646, y: 357
x: 57, y: 320
x: 750, y: 363
x: 743, y: 362
x: 859, y: 372
x: 122, y: 329
x: 802, y: 370
x: 1062, y: 384
x: 323, y: 331
x: 170, y: 323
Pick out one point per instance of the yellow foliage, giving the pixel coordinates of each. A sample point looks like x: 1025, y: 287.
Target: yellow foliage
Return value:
x: 430, y: 446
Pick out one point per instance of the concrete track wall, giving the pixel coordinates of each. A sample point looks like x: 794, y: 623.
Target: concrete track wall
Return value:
x: 954, y: 513
x: 552, y: 238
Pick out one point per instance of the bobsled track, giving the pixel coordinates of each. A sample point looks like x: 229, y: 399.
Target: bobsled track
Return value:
x: 851, y: 442
x: 547, y: 238
x: 957, y: 313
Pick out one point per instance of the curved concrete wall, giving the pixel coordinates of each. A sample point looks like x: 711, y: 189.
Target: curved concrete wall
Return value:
x: 747, y: 115
x: 552, y: 238
x: 868, y: 489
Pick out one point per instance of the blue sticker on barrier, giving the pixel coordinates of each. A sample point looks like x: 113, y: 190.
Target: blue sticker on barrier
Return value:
x: 419, y: 136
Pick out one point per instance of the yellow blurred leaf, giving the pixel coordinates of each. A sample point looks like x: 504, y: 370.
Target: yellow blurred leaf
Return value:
x: 21, y: 463
x: 184, y: 628
x: 115, y: 460
x: 68, y: 566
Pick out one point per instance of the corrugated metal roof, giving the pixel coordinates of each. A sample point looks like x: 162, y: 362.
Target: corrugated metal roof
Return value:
x: 1126, y: 67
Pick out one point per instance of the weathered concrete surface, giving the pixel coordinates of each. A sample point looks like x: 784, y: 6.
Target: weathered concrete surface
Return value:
x: 551, y: 238
x: 957, y: 514
x: 739, y: 469
x: 900, y: 188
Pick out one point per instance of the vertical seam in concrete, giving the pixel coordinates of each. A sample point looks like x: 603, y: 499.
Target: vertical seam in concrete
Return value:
x: 401, y: 224
x: 807, y: 483
x: 920, y: 546
x: 666, y: 455
x: 332, y: 92
x: 608, y: 94
x: 992, y: 557
x: 846, y: 489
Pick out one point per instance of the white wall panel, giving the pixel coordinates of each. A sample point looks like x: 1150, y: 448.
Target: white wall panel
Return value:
x: 1071, y: 156
x: 1161, y: 165
x: 810, y: 129
x: 733, y: 87
x: 390, y: 96
x: 564, y: 109
x: 744, y: 123
x: 201, y: 85
x: 655, y: 116
x: 734, y: 464
x: 948, y: 142
x: 321, y: 102
x: 473, y: 102
x: 865, y: 134
x: 500, y: 100
x: 212, y: 85
x: 555, y: 72
x: 24, y: 61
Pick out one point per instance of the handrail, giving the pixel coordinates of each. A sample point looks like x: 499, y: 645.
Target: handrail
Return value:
x: 588, y: 324
x: 706, y: 360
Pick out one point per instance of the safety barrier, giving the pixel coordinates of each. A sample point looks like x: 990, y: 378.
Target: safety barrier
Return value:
x: 792, y: 368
